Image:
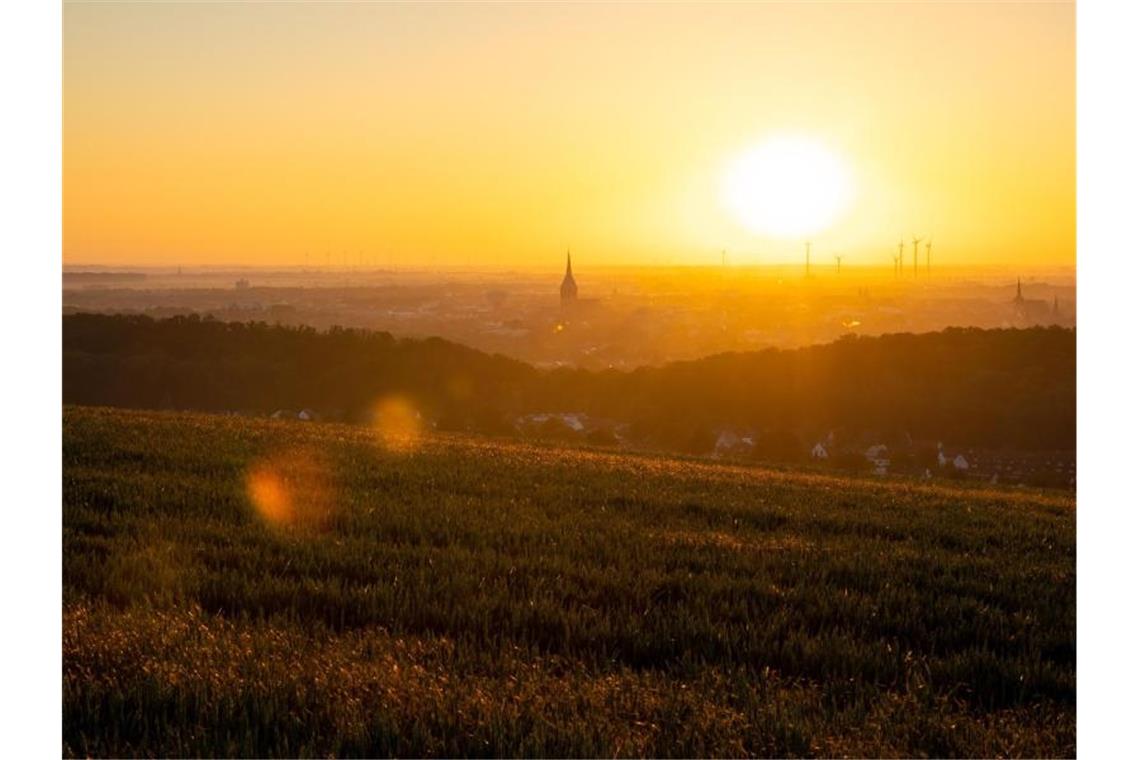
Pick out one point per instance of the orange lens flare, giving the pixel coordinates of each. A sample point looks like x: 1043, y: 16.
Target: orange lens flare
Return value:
x: 291, y: 490
x: 397, y: 424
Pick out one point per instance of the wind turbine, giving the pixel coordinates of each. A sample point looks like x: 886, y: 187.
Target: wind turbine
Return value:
x: 838, y: 261
x: 807, y: 258
x: 928, y: 242
x: 900, y: 260
x: 916, y: 240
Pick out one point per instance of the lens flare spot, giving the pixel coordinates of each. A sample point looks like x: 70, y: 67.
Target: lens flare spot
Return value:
x: 291, y: 490
x: 397, y: 423
x: 268, y: 492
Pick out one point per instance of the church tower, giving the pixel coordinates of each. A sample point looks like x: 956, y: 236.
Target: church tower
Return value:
x: 569, y: 287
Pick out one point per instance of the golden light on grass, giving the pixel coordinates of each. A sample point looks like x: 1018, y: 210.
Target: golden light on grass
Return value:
x: 397, y: 424
x: 151, y: 569
x: 291, y: 490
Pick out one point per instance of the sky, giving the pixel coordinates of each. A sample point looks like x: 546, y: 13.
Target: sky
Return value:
x: 504, y: 134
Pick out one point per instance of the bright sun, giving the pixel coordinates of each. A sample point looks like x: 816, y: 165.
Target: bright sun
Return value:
x: 787, y: 187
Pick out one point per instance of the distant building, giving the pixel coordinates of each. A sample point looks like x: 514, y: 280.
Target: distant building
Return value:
x: 241, y: 284
x: 569, y: 287
x: 729, y: 441
x: 877, y: 455
x: 572, y: 421
x: 1032, y: 311
x: 877, y: 451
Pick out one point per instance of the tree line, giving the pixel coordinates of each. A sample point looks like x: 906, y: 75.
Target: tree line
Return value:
x: 965, y: 386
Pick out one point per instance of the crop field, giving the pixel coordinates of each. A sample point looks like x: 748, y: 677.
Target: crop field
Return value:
x: 247, y: 587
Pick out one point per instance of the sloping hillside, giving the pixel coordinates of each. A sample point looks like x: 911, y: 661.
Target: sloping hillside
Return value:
x: 1008, y: 389
x: 234, y: 586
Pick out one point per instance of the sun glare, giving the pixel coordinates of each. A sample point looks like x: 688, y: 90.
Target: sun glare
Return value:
x: 787, y: 187
x: 397, y: 424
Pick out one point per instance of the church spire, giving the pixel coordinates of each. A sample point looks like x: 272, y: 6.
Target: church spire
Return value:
x: 569, y: 290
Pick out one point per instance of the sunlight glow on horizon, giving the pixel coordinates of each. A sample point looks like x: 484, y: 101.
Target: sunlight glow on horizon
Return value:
x: 497, y: 135
x: 789, y: 186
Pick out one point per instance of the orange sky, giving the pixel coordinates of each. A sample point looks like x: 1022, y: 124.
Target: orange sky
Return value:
x: 503, y: 134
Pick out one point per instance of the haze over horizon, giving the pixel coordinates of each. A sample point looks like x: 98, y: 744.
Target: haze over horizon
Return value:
x: 533, y: 378
x: 496, y: 136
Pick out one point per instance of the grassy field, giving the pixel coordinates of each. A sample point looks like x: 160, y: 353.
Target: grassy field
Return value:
x: 244, y: 587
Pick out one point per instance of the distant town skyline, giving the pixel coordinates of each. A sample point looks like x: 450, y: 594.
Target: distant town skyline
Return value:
x: 498, y: 135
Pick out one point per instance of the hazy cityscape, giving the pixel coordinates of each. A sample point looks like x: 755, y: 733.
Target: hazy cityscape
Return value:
x: 621, y: 318
x: 596, y: 379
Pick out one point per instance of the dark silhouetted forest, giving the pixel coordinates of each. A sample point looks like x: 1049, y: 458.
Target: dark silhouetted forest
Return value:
x: 969, y: 387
